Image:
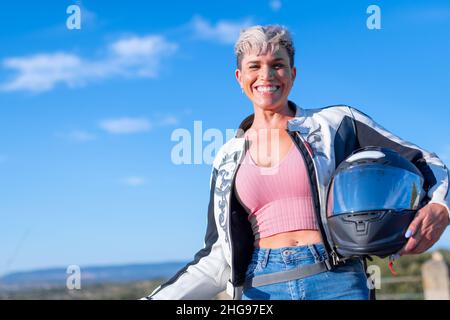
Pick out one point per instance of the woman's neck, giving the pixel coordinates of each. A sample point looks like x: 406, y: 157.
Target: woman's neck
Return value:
x: 274, y: 118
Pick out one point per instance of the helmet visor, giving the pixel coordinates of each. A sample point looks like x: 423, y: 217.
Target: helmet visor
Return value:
x: 374, y: 187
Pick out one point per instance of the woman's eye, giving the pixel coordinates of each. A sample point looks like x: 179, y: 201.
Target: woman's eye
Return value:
x: 253, y: 66
x: 279, y: 66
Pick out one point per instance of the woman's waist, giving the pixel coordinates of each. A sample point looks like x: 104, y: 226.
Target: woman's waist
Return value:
x: 309, y: 253
x: 289, y: 239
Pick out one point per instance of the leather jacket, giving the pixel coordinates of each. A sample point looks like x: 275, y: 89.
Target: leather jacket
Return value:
x: 324, y: 137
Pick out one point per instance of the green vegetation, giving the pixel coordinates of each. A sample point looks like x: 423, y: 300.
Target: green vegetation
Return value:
x: 106, y: 291
x: 407, y: 285
x: 408, y: 268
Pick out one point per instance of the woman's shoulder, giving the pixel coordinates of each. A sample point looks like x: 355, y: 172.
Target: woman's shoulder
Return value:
x: 343, y: 108
x: 229, y: 151
x: 336, y: 109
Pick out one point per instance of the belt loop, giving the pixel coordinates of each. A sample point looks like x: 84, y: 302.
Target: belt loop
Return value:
x: 312, y: 248
x: 266, y: 257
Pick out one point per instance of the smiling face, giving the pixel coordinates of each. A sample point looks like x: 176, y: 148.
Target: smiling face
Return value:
x: 267, y: 79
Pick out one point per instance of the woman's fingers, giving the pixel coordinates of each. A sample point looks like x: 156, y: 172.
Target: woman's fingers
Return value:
x: 425, y: 229
x: 414, y: 235
x: 422, y: 246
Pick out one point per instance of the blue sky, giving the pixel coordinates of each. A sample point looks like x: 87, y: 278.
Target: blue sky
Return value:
x: 86, y: 116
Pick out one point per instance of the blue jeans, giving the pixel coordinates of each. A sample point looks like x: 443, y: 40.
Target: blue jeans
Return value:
x: 347, y: 282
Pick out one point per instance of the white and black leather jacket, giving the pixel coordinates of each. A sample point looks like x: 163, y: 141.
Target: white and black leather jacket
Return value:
x: 324, y: 137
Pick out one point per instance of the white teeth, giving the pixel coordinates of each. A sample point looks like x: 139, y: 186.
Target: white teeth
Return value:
x: 267, y: 88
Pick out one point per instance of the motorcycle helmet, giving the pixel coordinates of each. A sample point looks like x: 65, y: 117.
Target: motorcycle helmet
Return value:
x: 372, y: 198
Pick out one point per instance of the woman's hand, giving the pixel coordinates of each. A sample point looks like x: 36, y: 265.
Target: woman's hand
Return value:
x: 426, y: 228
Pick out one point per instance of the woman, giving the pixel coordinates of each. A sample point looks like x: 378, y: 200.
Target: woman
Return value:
x: 267, y: 190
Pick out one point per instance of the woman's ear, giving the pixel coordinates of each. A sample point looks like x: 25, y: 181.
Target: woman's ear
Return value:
x: 238, y: 75
x: 294, y: 73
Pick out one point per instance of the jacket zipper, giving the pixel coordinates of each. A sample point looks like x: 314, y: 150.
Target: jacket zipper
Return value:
x: 302, y: 148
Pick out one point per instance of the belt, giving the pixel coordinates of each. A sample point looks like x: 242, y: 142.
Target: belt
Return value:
x: 297, y: 273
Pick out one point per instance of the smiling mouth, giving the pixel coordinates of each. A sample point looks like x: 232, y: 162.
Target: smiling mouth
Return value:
x: 267, y: 89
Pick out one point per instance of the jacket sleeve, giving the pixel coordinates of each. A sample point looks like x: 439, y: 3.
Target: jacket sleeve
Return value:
x: 207, y: 274
x: 434, y: 171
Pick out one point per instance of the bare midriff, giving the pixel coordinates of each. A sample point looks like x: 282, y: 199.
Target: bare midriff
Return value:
x: 289, y: 239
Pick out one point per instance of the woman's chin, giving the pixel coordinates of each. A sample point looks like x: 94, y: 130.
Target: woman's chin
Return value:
x: 269, y: 104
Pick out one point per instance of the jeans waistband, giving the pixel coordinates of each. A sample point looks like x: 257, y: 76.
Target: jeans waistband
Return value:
x: 316, y: 251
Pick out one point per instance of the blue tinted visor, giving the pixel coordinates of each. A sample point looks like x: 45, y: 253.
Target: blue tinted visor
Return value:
x: 373, y: 188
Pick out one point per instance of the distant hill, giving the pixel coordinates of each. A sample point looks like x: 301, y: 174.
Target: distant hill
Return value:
x: 56, y: 277
x: 133, y: 281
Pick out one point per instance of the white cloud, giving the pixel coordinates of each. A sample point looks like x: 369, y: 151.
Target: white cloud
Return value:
x: 168, y: 120
x: 76, y: 136
x: 125, y: 125
x: 275, y: 5
x: 80, y: 136
x: 40, y: 72
x: 224, y: 31
x: 140, y: 56
x: 134, y: 181
x: 139, y: 47
x: 127, y: 57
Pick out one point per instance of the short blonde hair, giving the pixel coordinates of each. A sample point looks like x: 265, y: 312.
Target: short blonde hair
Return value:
x: 264, y: 39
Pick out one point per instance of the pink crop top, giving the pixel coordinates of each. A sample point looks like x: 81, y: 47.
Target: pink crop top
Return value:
x: 277, y: 198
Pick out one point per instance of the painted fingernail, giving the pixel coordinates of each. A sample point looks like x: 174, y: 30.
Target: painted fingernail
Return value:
x: 408, y: 234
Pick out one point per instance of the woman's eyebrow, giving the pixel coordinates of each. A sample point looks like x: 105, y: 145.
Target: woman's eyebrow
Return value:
x: 274, y: 60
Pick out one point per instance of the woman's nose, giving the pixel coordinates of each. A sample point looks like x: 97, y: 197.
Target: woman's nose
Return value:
x: 265, y: 73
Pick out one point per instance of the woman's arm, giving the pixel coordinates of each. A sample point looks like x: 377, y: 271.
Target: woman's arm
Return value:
x: 430, y: 221
x: 207, y: 274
